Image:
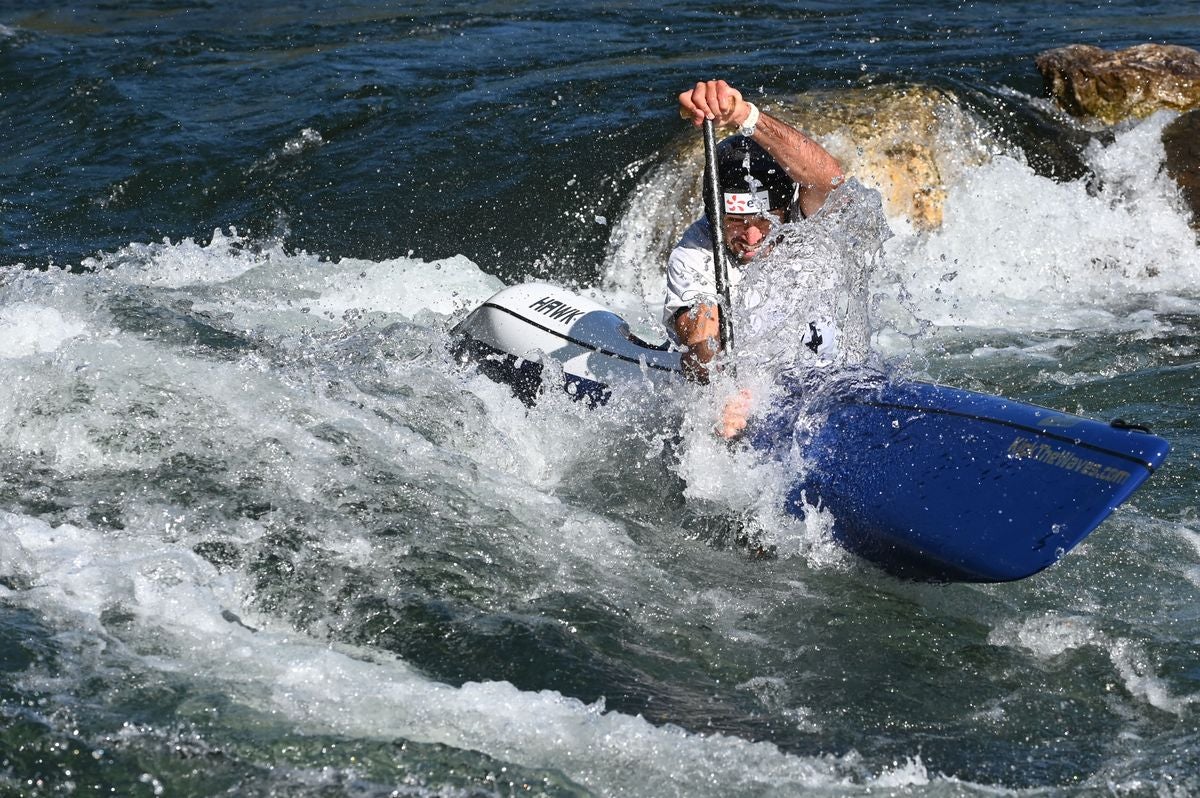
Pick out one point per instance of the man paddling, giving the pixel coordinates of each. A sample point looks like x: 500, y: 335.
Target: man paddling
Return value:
x: 769, y: 173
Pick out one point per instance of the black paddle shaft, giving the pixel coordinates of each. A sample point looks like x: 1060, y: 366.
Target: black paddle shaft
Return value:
x: 715, y: 212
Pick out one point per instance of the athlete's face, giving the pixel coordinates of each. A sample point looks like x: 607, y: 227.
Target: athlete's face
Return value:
x: 746, y: 234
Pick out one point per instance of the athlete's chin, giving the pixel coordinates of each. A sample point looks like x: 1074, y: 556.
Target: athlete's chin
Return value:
x: 747, y: 255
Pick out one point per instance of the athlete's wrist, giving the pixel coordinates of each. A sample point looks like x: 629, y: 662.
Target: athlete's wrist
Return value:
x: 749, y: 121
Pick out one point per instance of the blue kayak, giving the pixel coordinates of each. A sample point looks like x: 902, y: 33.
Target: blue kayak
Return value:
x: 939, y: 483
x: 928, y: 482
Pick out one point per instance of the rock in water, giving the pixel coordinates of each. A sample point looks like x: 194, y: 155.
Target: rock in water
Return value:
x: 1181, y: 139
x: 906, y: 141
x: 1114, y: 85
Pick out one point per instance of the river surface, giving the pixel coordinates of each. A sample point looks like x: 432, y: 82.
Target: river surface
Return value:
x: 261, y: 535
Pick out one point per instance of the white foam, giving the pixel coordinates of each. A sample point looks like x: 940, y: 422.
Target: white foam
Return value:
x: 179, y: 264
x: 1190, y: 537
x: 1052, y: 635
x: 27, y: 329
x: 1137, y: 673
x: 1047, y: 636
x: 307, y: 139
x: 1020, y: 251
x: 909, y: 773
x: 734, y: 478
x: 810, y: 538
x: 1192, y: 573
x: 405, y: 286
x: 180, y: 602
x: 272, y: 289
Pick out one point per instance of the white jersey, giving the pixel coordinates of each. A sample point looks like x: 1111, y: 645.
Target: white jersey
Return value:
x: 691, y: 280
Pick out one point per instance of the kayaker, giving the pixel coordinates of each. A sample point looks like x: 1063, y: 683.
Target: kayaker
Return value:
x: 769, y: 173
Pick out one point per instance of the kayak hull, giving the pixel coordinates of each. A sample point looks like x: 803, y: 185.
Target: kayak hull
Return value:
x: 937, y: 483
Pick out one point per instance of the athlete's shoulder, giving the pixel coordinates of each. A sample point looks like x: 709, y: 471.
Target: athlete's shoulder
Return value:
x: 697, y: 236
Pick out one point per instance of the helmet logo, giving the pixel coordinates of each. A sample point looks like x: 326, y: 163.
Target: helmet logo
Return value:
x: 756, y: 202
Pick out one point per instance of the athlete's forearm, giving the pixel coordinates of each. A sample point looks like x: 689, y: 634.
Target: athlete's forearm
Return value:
x: 805, y: 161
x: 699, y: 330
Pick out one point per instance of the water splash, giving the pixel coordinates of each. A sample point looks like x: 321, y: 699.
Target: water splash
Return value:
x: 814, y: 283
x: 1021, y: 251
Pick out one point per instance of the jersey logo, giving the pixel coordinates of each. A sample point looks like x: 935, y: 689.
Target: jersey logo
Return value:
x: 813, y: 343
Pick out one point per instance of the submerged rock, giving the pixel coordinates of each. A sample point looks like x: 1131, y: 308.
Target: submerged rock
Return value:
x: 1109, y: 85
x: 1181, y: 139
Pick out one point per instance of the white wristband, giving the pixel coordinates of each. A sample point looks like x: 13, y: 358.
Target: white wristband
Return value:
x: 747, y: 127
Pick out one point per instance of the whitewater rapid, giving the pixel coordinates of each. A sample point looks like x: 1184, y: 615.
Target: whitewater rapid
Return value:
x: 232, y: 467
